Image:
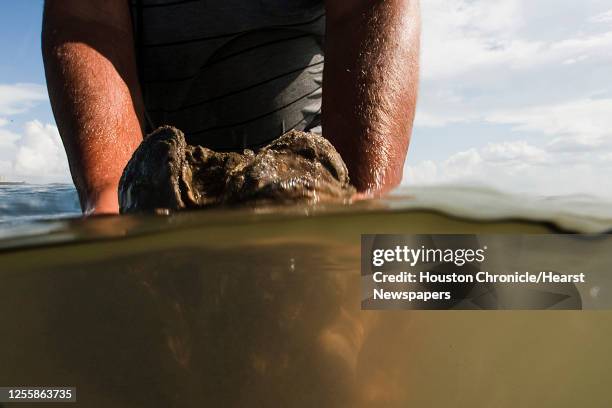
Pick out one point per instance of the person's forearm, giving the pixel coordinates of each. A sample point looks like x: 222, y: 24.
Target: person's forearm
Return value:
x: 94, y: 92
x: 370, y: 85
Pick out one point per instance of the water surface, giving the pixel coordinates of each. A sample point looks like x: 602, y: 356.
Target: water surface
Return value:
x: 262, y: 308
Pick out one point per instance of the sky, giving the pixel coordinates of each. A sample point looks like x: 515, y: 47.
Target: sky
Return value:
x: 515, y: 95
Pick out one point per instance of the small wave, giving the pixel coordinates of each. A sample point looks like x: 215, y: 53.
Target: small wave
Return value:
x: 21, y: 203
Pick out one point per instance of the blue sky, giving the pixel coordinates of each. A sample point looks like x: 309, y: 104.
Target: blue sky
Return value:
x: 20, y: 45
x: 515, y: 95
x: 20, y: 41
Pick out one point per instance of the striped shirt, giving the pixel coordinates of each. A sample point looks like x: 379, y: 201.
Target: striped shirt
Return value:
x: 230, y: 73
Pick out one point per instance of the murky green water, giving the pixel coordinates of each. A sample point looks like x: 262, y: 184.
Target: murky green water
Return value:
x: 262, y: 309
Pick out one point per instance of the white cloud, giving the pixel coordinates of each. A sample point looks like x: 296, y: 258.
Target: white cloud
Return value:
x: 605, y: 17
x: 573, y: 153
x: 518, y: 94
x: 583, y: 122
x: 481, y: 56
x: 521, y: 167
x: 575, y: 60
x: 514, y: 153
x: 462, y: 36
x: 586, y: 121
x: 8, y: 148
x: 36, y: 155
x: 18, y: 98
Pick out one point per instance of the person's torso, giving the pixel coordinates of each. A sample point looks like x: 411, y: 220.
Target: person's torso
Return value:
x: 232, y: 73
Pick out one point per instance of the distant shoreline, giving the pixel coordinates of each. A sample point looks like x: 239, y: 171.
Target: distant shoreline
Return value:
x: 12, y: 183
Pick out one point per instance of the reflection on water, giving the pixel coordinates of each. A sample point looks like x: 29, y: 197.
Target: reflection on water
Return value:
x: 259, y: 309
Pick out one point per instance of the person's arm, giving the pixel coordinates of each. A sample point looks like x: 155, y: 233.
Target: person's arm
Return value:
x: 90, y: 66
x: 370, y: 86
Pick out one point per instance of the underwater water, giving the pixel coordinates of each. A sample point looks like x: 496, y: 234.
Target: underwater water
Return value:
x: 261, y: 307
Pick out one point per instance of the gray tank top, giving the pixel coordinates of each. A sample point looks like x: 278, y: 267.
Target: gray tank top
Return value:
x: 230, y: 73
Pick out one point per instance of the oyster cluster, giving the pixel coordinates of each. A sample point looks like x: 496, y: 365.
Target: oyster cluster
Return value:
x: 167, y: 174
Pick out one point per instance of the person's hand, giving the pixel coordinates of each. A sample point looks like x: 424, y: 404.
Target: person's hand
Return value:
x: 103, y: 202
